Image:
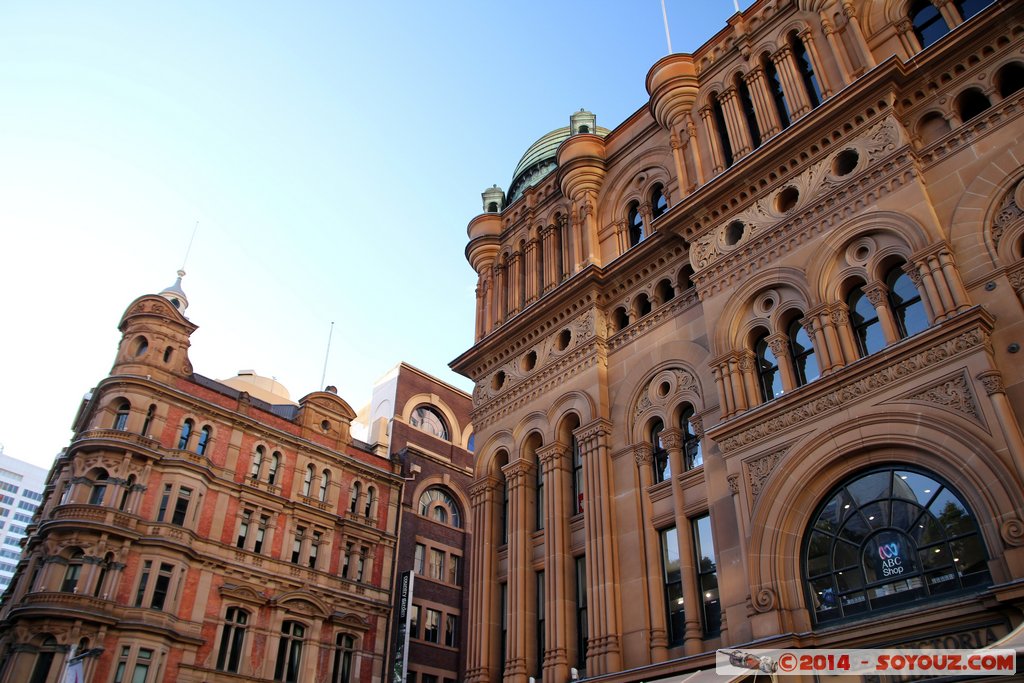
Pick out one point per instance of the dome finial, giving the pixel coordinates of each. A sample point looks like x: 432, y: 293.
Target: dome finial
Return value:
x: 175, y: 294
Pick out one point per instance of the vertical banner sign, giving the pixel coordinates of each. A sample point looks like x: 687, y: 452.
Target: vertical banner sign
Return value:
x: 402, y: 635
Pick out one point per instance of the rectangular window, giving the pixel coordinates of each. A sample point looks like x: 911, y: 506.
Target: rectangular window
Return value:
x: 165, y: 499
x: 32, y: 495
x: 455, y: 571
x: 672, y: 580
x: 348, y: 560
x: 261, y: 533
x: 18, y: 517
x: 707, y: 575
x: 577, y: 476
x: 436, y: 564
x: 414, y: 621
x: 181, y: 506
x: 300, y: 533
x: 432, y: 626
x: 581, y: 612
x: 4, y: 512
x: 7, y: 500
x: 17, y: 529
x: 10, y: 488
x: 243, y: 528
x: 25, y: 505
x: 140, y: 594
x: 419, y: 559
x: 428, y: 678
x: 162, y: 586
x: 314, y: 549
x: 451, y: 630
x: 10, y: 540
x: 503, y: 607
x: 540, y: 625
x: 360, y: 563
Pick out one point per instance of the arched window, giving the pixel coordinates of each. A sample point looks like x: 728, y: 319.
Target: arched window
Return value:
x: 928, y: 24
x: 635, y: 224
x: 642, y: 305
x: 970, y: 103
x: 72, y: 572
x: 186, y: 433
x: 371, y: 497
x: 289, y: 652
x: 429, y: 420
x: 344, y: 651
x: 662, y: 466
x: 232, y: 638
x: 1010, y: 78
x: 440, y: 506
x: 867, y: 331
x: 307, y: 481
x: 692, y: 454
x: 663, y: 291
x: 889, y: 538
x: 275, y: 462
x: 768, y: 376
x: 101, y: 578
x: 659, y: 203
x: 257, y: 462
x: 99, y: 487
x: 749, y: 114
x: 577, y: 476
x: 806, y: 69
x: 905, y: 303
x: 353, y: 504
x: 969, y: 8
x: 325, y: 482
x: 44, y: 660
x: 775, y: 87
x: 722, y: 130
x: 620, y: 319
x: 204, y: 440
x: 149, y: 420
x: 121, y: 416
x: 801, y: 349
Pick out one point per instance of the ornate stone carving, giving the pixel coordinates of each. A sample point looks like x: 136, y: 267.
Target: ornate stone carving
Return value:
x: 953, y: 393
x: 1007, y: 214
x: 643, y: 453
x: 993, y: 382
x: 672, y: 439
x: 760, y: 469
x: 1012, y: 531
x: 764, y: 600
x: 734, y: 483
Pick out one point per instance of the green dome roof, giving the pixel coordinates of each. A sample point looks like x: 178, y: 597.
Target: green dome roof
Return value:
x: 540, y: 160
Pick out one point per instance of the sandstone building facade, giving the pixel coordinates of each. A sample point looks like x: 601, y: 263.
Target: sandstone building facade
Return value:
x: 746, y: 367
x: 197, y: 530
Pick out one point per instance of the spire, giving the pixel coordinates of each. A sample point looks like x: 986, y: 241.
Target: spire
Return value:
x: 176, y: 295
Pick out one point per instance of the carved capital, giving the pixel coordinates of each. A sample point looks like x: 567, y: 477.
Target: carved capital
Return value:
x: 643, y: 453
x: 992, y: 380
x: 517, y: 473
x: 839, y: 315
x: 672, y: 439
x: 779, y: 345
x: 734, y: 483
x: 551, y: 455
x: 875, y: 292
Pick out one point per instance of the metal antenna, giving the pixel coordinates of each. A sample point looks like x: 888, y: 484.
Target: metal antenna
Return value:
x: 664, y: 16
x: 327, y: 355
x: 736, y: 4
x: 189, y: 250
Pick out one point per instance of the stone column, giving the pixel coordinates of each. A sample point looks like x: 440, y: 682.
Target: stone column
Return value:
x: 736, y: 123
x: 559, y: 603
x: 819, y: 67
x: 930, y: 297
x: 483, y: 620
x: 693, y: 643
x: 550, y: 274
x: 578, y: 230
x: 717, y: 158
x: 877, y: 293
x: 764, y: 103
x: 534, y: 277
x: 517, y: 474
x: 604, y: 650
x: 678, y: 148
x: 658, y: 635
x: 815, y: 329
x: 792, y: 83
x: 720, y: 371
x: 840, y: 323
x: 858, y: 35
x: 497, y: 296
x: 748, y: 371
x: 948, y: 12
x: 515, y: 283
x: 480, y: 307
x: 905, y: 32
x: 779, y: 344
x: 589, y: 210
x: 1008, y: 421
x: 837, y: 48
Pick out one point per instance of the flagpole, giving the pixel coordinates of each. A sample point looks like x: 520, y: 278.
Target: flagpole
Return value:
x: 664, y: 16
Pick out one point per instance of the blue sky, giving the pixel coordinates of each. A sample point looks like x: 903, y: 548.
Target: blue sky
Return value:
x: 332, y: 153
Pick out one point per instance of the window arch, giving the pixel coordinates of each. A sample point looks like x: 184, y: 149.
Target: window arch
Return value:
x: 72, y: 572
x: 928, y: 24
x: 354, y: 503
x: 150, y: 414
x: 232, y: 639
x: 101, y: 578
x: 769, y: 378
x: 204, y: 440
x: 659, y: 202
x: 126, y: 492
x: 44, y: 660
x: 801, y: 352
x: 429, y: 420
x: 325, y: 482
x: 635, y: 224
x: 775, y: 87
x: 257, y: 462
x: 186, y: 432
x: 289, y: 652
x: 692, y: 454
x: 662, y: 466
x: 803, y: 62
x: 307, y: 480
x: 275, y: 462
x: 1010, y: 78
x: 905, y: 303
x: 99, y: 487
x: 439, y: 505
x: 890, y: 538
x: 749, y: 113
x: 864, y: 323
x: 121, y: 416
x: 970, y: 103
x: 344, y: 653
x: 371, y: 498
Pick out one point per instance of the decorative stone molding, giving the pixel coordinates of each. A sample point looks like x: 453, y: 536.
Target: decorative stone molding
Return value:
x: 734, y: 483
x: 899, y: 370
x: 664, y: 390
x: 1012, y: 532
x: 764, y: 600
x: 760, y: 469
x: 993, y: 382
x: 637, y: 329
x: 951, y: 392
x: 643, y: 453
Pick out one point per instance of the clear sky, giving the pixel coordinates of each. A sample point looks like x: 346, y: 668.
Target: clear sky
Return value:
x: 332, y: 153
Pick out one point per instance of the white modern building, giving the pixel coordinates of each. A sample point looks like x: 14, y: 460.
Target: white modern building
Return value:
x: 21, y: 490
